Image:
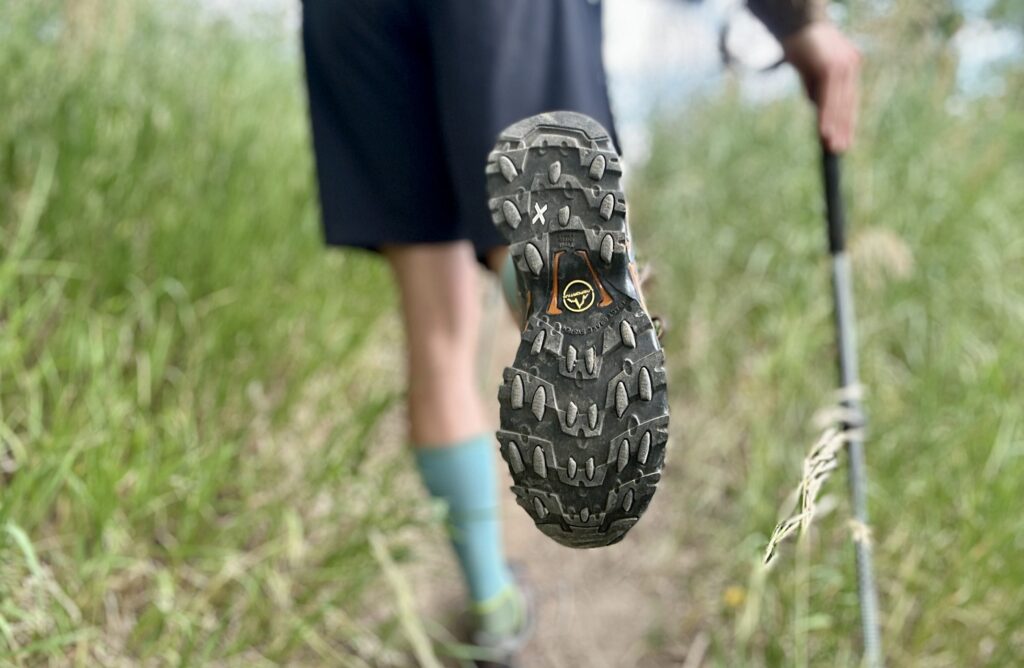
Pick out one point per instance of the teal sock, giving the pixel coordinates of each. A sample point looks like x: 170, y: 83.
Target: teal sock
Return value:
x: 462, y: 474
x: 510, y: 285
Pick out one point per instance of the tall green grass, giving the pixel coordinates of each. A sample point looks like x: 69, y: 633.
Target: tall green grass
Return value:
x: 185, y: 474
x: 935, y: 201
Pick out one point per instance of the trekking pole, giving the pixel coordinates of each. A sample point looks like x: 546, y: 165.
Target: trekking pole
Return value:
x: 847, y: 343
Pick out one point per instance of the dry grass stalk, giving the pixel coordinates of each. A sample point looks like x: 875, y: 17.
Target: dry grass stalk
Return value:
x: 406, y: 603
x: 818, y: 466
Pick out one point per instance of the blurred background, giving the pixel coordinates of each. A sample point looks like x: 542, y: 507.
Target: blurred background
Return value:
x: 201, y: 455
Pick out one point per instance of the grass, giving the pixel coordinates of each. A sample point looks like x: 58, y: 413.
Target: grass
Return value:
x: 185, y: 474
x: 187, y: 381
x: 935, y: 204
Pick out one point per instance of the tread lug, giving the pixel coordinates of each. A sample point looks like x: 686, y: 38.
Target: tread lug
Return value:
x: 508, y: 170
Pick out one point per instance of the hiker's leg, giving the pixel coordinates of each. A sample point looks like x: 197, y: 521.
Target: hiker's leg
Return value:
x: 499, y: 261
x: 441, y: 312
x: 453, y: 443
x: 496, y: 258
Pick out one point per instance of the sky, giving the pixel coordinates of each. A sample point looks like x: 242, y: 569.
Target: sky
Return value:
x: 663, y: 52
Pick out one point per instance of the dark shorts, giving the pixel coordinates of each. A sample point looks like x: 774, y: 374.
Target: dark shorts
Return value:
x: 407, y: 98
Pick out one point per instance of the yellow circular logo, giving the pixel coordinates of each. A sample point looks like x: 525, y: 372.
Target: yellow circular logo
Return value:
x: 578, y: 296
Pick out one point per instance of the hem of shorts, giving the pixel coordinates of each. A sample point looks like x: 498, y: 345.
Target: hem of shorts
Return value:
x: 481, y: 248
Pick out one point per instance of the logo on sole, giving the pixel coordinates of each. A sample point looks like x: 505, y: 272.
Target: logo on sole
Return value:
x: 578, y: 296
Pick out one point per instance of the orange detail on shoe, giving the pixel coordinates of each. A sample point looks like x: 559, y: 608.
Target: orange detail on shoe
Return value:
x: 605, y: 297
x: 526, y: 311
x: 553, y: 305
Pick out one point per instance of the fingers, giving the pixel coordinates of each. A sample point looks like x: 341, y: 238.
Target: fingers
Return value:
x: 833, y: 115
x: 827, y: 113
x: 851, y: 101
x: 838, y: 102
x: 837, y: 109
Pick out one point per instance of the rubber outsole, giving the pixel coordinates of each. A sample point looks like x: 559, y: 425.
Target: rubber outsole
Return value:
x: 584, y: 411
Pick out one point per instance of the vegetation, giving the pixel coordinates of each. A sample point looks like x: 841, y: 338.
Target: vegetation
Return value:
x: 935, y: 203
x: 185, y: 472
x: 184, y: 462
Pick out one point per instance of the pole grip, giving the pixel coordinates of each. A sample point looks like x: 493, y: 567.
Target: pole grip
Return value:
x: 834, y: 202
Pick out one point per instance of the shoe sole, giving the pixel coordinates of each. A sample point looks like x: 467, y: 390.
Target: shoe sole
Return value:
x: 584, y: 411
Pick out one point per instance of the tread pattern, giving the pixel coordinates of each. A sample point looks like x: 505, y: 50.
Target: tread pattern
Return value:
x: 584, y: 411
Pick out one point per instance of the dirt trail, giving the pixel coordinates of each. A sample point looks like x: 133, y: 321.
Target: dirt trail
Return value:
x: 596, y: 608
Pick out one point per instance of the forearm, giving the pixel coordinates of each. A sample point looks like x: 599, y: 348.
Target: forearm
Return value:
x: 784, y: 17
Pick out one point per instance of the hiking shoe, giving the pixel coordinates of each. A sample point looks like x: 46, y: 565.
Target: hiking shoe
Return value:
x: 584, y: 412
x: 502, y: 651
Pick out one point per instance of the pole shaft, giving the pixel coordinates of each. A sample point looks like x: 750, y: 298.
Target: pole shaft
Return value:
x: 842, y: 286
